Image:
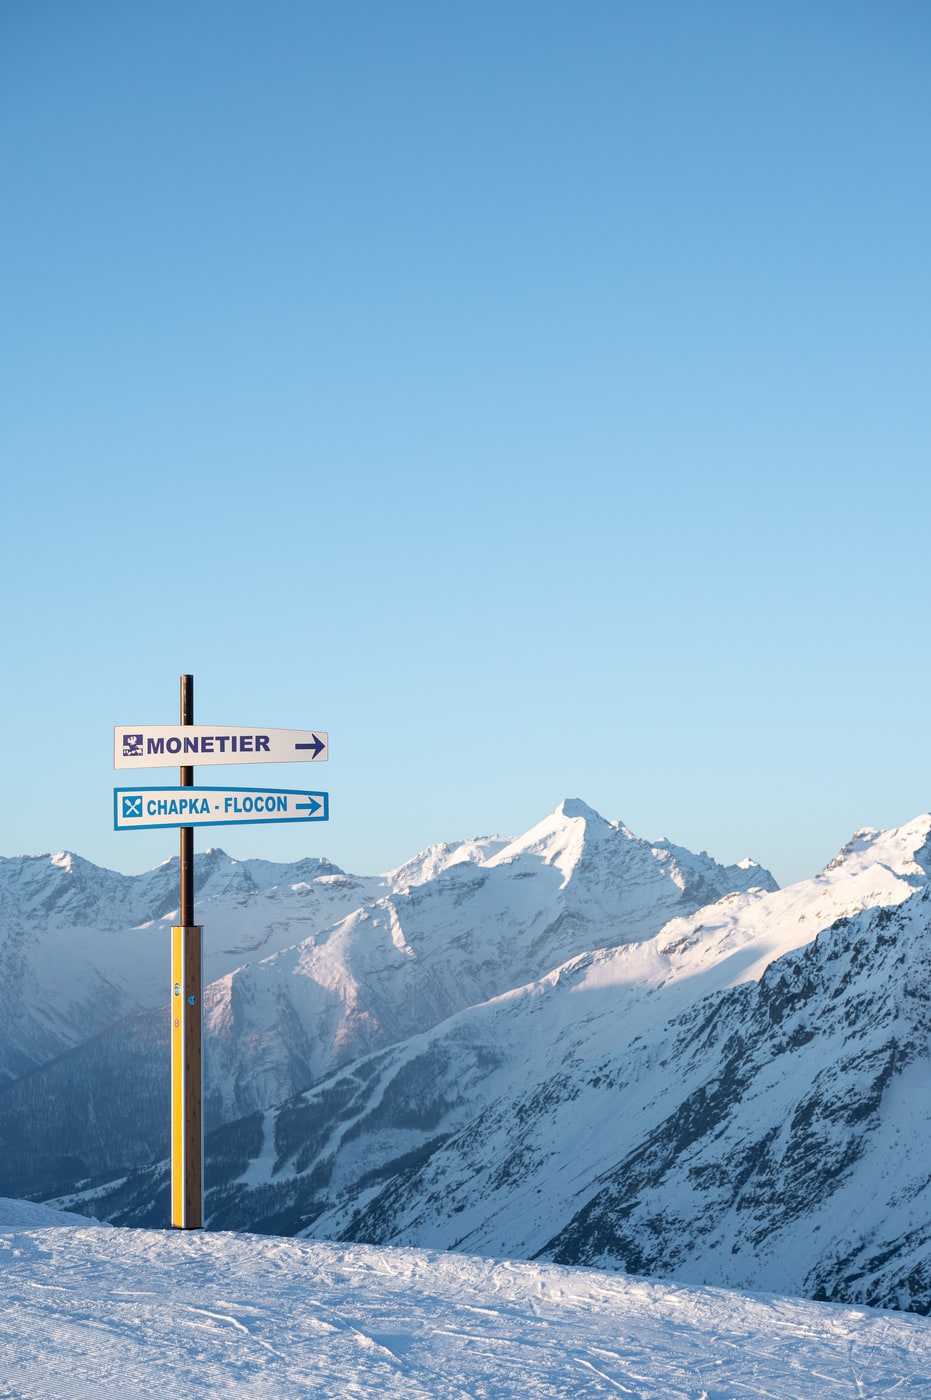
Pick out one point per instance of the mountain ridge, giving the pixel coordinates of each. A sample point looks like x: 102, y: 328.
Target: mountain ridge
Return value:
x: 306, y: 974
x: 553, y: 1046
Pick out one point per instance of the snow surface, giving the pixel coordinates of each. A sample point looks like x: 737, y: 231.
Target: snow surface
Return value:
x: 93, y: 1311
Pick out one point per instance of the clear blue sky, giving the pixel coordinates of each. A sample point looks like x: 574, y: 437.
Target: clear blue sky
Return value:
x: 533, y: 395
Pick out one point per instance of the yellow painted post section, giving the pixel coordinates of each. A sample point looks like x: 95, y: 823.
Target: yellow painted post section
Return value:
x: 187, y: 1153
x: 177, y: 1076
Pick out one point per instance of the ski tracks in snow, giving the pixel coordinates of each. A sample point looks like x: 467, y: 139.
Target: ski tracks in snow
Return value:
x: 109, y: 1313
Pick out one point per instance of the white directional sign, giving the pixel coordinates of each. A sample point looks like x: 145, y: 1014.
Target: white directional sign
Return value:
x: 169, y: 745
x: 139, y: 808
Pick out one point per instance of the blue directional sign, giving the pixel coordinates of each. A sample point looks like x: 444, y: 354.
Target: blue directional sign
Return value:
x: 137, y: 809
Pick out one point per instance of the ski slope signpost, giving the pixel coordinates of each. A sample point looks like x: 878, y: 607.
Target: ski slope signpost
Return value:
x: 137, y: 809
x: 161, y: 745
x: 187, y: 806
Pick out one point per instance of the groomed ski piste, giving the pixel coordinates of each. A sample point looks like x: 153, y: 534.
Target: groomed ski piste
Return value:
x: 90, y: 1310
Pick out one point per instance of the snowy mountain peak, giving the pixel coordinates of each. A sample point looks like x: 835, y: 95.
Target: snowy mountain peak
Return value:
x: 605, y: 866
x: 72, y: 864
x: 434, y: 860
x: 905, y: 849
x: 561, y: 838
x: 574, y: 807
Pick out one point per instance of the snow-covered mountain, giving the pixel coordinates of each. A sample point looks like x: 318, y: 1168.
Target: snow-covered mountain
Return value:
x: 82, y: 947
x: 732, y: 1100
x: 456, y: 928
x: 301, y: 984
x: 575, y: 1045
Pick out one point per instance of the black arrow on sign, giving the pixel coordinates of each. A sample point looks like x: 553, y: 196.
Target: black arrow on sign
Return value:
x: 317, y: 745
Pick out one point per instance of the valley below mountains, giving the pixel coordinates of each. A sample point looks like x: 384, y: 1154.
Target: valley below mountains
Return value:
x: 575, y: 1046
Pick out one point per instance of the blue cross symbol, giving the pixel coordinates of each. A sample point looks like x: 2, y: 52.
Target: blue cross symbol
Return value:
x: 132, y: 807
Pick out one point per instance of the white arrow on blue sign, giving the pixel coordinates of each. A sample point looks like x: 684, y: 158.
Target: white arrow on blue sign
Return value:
x: 136, y: 809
